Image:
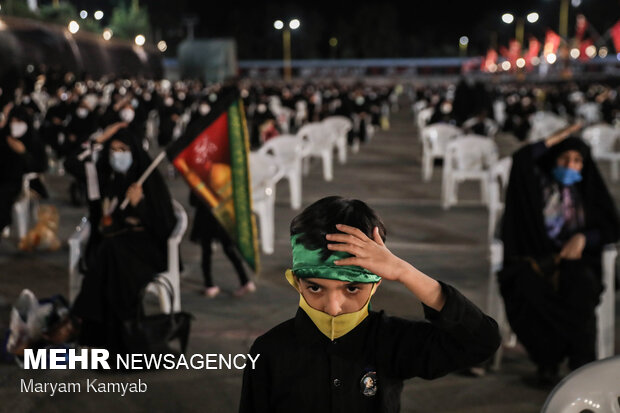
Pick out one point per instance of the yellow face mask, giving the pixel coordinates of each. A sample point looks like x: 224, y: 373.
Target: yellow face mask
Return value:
x: 332, y: 327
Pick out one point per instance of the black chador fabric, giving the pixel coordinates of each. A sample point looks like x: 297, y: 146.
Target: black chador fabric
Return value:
x: 13, y: 165
x: 126, y: 250
x: 300, y: 370
x: 550, y: 304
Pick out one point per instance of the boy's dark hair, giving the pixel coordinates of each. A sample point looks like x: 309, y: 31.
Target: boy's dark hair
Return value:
x: 321, y: 218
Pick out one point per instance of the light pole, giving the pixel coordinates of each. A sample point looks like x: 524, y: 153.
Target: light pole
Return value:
x: 520, y: 25
x: 463, y: 42
x: 286, y: 44
x: 564, y: 19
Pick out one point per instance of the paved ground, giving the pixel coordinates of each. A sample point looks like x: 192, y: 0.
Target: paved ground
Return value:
x: 449, y: 245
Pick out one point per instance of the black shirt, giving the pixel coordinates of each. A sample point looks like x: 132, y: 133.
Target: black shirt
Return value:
x: 300, y: 370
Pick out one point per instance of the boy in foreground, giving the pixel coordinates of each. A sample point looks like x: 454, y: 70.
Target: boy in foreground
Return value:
x: 338, y: 356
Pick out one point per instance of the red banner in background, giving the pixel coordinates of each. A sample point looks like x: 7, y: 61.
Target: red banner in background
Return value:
x: 514, y: 51
x: 532, y: 51
x: 552, y: 42
x: 615, y: 35
x: 489, y: 60
x: 581, y: 26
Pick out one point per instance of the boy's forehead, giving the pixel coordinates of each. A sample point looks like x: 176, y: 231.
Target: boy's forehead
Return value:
x: 327, y: 282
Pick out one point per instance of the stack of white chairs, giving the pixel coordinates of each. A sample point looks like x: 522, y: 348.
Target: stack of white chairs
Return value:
x: 282, y: 113
x: 604, y: 140
x: 590, y: 112
x: 424, y: 117
x: 25, y: 209
x: 499, y: 112
x: 498, y: 182
x: 468, y: 157
x: 301, y: 113
x: 321, y: 142
x: 77, y: 245
x: 152, y: 125
x: 340, y: 126
x: 287, y: 153
x: 264, y: 174
x: 544, y: 124
x: 435, y: 140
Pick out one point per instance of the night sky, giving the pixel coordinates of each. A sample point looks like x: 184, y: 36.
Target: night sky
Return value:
x: 365, y: 29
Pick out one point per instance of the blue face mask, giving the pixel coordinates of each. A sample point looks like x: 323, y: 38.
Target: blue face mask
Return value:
x: 121, y: 161
x: 566, y: 176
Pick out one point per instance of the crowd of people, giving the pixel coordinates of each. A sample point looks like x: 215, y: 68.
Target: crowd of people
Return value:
x: 100, y: 130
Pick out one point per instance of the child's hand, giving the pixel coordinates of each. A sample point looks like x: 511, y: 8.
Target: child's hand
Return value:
x: 370, y: 254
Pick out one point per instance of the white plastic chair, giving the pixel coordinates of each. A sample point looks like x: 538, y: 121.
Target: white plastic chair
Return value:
x: 498, y: 181
x: 544, y: 124
x: 499, y: 112
x: 26, y: 207
x: 264, y: 174
x: 340, y: 126
x: 605, y: 312
x: 288, y: 152
x: 321, y: 143
x: 590, y: 112
x: 424, y: 117
x: 435, y: 140
x: 604, y: 139
x: 490, y: 126
x: 591, y: 388
x: 467, y: 158
x: 77, y: 242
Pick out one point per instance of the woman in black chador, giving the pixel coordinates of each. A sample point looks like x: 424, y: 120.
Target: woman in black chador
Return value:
x: 127, y: 248
x: 559, y: 215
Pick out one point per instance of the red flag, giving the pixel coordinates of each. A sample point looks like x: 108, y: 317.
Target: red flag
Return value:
x: 212, y: 156
x: 533, y: 51
x: 580, y: 26
x: 552, y: 42
x: 615, y: 35
x: 514, y: 51
x: 489, y: 60
x: 583, y: 56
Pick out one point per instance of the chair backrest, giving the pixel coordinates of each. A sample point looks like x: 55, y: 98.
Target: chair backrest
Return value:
x: 424, y: 116
x: 435, y: 137
x: 340, y: 124
x: 318, y: 136
x: 545, y: 124
x: 601, y: 138
x: 264, y: 171
x: 285, y: 148
x: 589, y: 111
x: 471, y: 153
x: 591, y: 388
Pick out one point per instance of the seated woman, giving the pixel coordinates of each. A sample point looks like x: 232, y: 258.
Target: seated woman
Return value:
x: 338, y: 355
x: 559, y: 214
x: 20, y: 152
x: 127, y: 247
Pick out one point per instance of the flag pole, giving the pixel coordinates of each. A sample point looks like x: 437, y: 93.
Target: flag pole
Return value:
x: 146, y: 174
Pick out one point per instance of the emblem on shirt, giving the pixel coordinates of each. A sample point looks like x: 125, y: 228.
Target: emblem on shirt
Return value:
x: 368, y: 384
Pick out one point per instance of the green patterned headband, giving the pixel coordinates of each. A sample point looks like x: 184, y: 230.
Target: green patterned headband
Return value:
x: 309, y: 264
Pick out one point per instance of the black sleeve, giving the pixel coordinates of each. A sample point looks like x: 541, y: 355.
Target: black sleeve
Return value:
x: 458, y: 336
x: 255, y: 391
x: 35, y: 157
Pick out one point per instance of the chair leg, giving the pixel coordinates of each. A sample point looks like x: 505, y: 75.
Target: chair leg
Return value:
x: 427, y: 167
x: 328, y: 174
x: 294, y: 183
x: 614, y: 170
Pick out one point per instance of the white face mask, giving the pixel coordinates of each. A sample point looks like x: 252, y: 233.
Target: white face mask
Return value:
x: 81, y: 113
x: 204, y: 109
x: 18, y: 129
x: 126, y: 115
x: 121, y: 161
